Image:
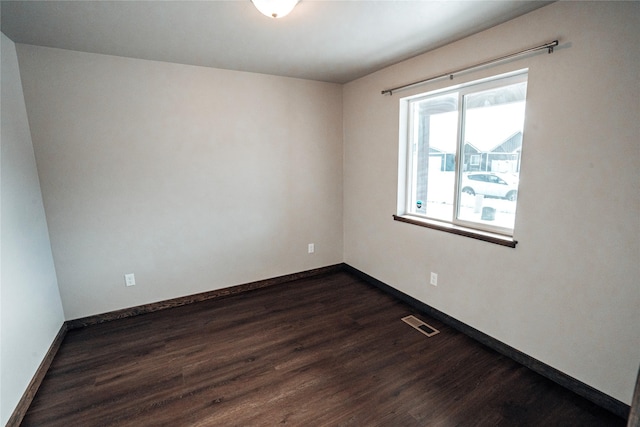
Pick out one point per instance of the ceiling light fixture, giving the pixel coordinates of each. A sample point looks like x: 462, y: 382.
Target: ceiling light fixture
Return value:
x: 275, y: 8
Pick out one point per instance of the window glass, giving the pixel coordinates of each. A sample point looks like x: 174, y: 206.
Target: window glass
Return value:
x: 492, y: 130
x: 435, y: 128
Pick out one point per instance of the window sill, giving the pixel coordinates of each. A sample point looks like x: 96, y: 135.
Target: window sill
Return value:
x: 461, y: 231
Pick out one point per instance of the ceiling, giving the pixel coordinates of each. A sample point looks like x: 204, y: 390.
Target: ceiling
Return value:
x: 333, y: 41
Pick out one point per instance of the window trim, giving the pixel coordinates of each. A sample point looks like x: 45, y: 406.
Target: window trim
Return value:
x: 455, y: 226
x: 485, y: 236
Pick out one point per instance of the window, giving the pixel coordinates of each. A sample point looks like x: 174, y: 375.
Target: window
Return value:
x: 460, y: 156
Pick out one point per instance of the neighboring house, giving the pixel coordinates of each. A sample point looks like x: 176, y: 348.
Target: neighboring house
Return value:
x: 504, y: 157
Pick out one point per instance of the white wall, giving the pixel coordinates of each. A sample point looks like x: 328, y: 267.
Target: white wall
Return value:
x: 31, y: 311
x: 192, y: 178
x: 569, y: 294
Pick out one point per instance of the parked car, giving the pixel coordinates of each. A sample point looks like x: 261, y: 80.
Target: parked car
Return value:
x: 491, y: 184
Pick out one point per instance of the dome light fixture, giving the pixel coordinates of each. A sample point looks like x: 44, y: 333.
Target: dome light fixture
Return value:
x: 275, y: 8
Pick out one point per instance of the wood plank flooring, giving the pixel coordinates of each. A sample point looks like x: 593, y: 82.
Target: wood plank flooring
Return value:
x: 324, y: 351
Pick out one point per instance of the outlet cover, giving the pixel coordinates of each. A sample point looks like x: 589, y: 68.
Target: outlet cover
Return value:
x: 311, y: 248
x: 434, y: 279
x: 129, y: 279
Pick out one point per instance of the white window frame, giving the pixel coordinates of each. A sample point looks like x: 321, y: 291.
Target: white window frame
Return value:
x: 407, y: 167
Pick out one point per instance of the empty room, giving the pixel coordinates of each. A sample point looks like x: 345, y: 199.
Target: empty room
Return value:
x: 364, y: 213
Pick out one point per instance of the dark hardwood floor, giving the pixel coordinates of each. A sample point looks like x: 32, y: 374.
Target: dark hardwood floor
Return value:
x: 325, y: 351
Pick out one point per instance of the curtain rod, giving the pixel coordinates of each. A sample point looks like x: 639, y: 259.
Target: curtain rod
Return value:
x: 549, y: 46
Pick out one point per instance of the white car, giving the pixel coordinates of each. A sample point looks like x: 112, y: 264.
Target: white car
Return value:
x: 491, y: 184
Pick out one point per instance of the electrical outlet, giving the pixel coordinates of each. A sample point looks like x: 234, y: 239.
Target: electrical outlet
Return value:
x: 311, y: 248
x: 434, y: 279
x: 129, y: 279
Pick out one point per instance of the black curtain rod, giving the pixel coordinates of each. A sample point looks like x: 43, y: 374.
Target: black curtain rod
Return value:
x: 549, y: 46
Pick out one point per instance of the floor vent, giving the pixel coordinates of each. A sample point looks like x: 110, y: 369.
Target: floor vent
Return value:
x: 420, y: 326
